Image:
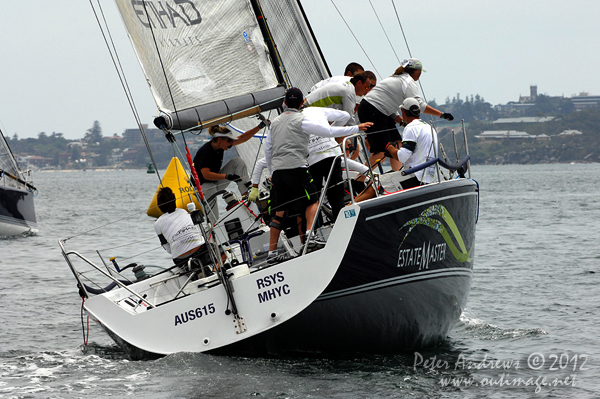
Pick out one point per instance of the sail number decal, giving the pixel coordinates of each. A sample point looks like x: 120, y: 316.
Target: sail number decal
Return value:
x: 270, y: 289
x: 194, y: 314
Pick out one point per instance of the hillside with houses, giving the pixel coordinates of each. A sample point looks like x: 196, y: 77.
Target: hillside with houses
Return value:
x: 535, y: 129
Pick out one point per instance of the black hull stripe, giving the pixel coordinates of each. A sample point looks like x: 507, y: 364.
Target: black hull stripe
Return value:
x: 419, y: 204
x: 433, y: 274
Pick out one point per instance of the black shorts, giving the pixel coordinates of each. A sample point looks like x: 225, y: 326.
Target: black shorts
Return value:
x: 383, y: 130
x: 293, y: 189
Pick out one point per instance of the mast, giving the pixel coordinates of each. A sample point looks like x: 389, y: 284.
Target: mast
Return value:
x: 264, y: 28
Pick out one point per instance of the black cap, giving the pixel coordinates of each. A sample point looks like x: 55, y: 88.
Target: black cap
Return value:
x: 294, y: 97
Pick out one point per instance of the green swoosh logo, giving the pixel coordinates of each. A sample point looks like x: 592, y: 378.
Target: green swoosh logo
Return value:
x: 428, y: 218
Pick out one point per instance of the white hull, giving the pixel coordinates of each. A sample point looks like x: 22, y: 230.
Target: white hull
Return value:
x: 199, y: 322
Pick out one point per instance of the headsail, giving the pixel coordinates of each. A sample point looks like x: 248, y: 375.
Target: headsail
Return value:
x: 297, y: 47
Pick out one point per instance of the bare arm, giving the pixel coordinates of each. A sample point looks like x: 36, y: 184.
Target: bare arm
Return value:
x: 432, y: 111
x: 212, y: 176
x: 246, y: 136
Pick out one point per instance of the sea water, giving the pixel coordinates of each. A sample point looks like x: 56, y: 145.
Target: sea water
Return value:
x: 530, y: 328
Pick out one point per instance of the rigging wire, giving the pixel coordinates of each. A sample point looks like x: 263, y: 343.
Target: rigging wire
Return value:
x: 355, y: 38
x: 420, y: 83
x: 402, y: 29
x: 384, y: 32
x: 120, y: 72
x: 162, y: 65
x: 276, y: 50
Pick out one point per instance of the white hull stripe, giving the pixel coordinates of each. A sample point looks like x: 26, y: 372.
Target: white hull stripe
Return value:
x: 454, y: 272
x: 419, y: 204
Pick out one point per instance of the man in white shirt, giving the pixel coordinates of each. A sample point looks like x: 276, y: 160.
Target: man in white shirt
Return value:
x: 351, y: 69
x: 342, y: 96
x: 179, y: 236
x: 419, y: 143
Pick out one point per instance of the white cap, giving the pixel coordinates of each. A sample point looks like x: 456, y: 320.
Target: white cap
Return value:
x: 412, y: 105
x: 413, y: 63
x: 228, y: 135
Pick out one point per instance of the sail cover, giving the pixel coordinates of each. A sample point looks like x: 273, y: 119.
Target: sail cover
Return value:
x: 197, y: 55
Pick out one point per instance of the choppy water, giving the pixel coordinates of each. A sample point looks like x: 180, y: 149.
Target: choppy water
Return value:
x: 532, y: 314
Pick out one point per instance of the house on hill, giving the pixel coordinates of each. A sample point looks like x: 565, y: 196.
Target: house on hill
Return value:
x: 570, y: 132
x: 503, y: 135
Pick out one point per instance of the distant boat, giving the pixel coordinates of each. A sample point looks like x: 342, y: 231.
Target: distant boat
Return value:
x: 151, y: 168
x: 17, y: 213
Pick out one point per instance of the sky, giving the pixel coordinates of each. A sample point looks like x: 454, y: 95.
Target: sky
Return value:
x: 56, y: 74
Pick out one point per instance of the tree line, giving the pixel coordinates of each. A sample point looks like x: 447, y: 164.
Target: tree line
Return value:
x: 477, y: 113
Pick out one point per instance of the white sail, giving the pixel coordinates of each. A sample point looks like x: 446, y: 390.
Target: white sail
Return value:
x: 207, y: 60
x: 197, y: 52
x: 297, y: 47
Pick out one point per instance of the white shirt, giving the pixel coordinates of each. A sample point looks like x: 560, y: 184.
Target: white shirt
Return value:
x: 333, y: 79
x: 258, y: 169
x: 426, y: 149
x: 179, y: 231
x: 340, y: 96
x: 316, y: 121
x: 389, y: 94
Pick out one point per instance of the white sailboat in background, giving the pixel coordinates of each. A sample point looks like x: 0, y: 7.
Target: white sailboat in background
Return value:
x: 395, y: 272
x: 17, y: 213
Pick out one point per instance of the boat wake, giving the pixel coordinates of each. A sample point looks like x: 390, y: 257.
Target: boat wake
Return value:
x: 476, y: 328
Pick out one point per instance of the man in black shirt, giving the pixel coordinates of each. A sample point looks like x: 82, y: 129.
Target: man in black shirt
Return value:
x: 212, y: 174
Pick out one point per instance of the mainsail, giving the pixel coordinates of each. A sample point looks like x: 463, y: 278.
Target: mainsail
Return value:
x: 206, y: 60
x: 201, y: 59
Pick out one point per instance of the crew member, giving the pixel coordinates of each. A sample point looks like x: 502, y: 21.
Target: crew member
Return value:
x: 381, y: 104
x: 419, y: 144
x: 341, y: 96
x: 177, y: 233
x: 351, y: 69
x: 213, y: 175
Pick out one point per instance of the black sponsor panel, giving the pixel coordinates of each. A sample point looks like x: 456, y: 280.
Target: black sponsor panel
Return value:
x: 430, y: 228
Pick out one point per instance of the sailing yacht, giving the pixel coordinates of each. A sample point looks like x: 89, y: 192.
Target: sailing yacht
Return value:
x: 396, y: 269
